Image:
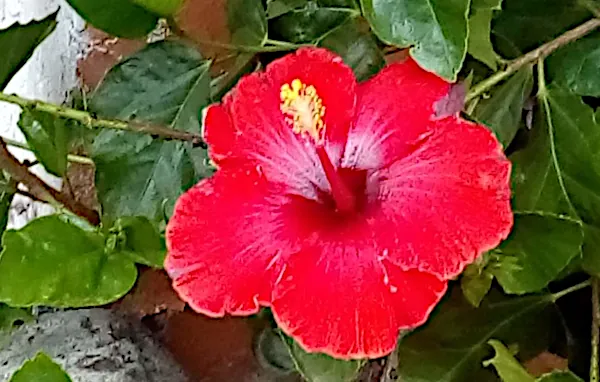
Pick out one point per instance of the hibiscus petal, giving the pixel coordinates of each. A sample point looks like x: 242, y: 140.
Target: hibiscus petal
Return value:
x: 249, y: 125
x: 393, y: 110
x: 224, y: 245
x: 446, y: 202
x: 339, y: 299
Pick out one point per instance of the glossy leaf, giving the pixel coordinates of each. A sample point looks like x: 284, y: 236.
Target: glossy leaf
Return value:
x: 577, y: 65
x: 160, y: 7
x: 247, y: 22
x: 316, y: 367
x: 136, y: 175
x: 8, y: 188
x: 559, y: 172
x: 476, y: 281
x: 40, y: 369
x: 452, y: 345
x: 539, y: 247
x: 357, y: 46
x: 502, y: 112
x: 17, y: 44
x: 48, y: 138
x: 437, y: 30
x: 11, y: 317
x: 137, y: 238
x: 559, y: 376
x: 479, y: 44
x: 306, y: 24
x: 509, y: 369
x: 52, y: 263
x: 122, y: 18
x: 525, y: 25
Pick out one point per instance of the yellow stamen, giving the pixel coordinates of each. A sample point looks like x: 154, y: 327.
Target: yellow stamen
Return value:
x: 303, y: 109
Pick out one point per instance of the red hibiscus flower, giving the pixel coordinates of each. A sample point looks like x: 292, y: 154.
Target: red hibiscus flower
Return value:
x: 344, y: 207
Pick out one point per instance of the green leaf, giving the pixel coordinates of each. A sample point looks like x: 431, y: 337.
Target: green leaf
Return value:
x: 437, y: 30
x: 138, y: 238
x: 40, y: 369
x: 10, y: 317
x: 307, y: 24
x: 53, y: 263
x: 121, y: 18
x: 577, y: 65
x: 17, y: 43
x: 166, y: 83
x: 539, y: 247
x: 479, y: 44
x: 559, y: 376
x: 247, y: 22
x: 503, y: 111
x: 8, y: 188
x: 525, y: 25
x: 476, y: 281
x: 452, y: 345
x: 357, y: 46
x: 163, y: 8
x: 316, y: 367
x: 509, y: 369
x: 48, y: 138
x: 559, y: 171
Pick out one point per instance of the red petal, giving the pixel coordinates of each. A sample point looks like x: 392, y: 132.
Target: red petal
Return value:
x: 342, y: 301
x: 447, y: 202
x: 250, y: 126
x: 393, y: 109
x: 224, y: 245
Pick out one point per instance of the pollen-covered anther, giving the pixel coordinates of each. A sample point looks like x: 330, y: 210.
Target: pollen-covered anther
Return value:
x: 303, y: 109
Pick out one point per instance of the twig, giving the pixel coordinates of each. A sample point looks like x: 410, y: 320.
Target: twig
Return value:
x: 591, y: 6
x: 29, y: 195
x: 70, y: 157
x: 391, y: 364
x: 90, y: 121
x: 533, y: 56
x: 595, y: 358
x: 40, y: 190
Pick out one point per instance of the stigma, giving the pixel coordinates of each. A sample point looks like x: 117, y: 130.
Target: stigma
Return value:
x: 303, y: 110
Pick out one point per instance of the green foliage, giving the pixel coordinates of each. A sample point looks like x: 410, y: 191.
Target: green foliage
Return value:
x: 17, y: 42
x: 40, y: 369
x: 8, y: 187
x: 479, y: 44
x: 11, y: 317
x: 161, y: 7
x: 136, y: 237
x: 437, y: 30
x: 122, y: 18
x: 136, y: 175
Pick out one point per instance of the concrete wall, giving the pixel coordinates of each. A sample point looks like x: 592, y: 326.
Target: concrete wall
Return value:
x: 49, y: 76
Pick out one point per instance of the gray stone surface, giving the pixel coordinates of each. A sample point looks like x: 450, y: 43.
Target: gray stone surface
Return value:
x: 92, y: 345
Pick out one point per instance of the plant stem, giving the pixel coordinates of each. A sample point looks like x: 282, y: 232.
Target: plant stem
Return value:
x: 70, y: 157
x: 595, y: 358
x: 277, y: 46
x: 90, y: 121
x: 591, y: 6
x: 40, y: 190
x: 533, y: 56
x: 574, y: 288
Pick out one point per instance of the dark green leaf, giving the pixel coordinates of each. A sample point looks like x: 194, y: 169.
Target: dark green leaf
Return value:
x: 40, y: 369
x: 160, y: 7
x: 17, y: 43
x: 8, y: 187
x: 138, y: 238
x: 559, y: 376
x: 452, y: 345
x: 577, y: 65
x: 476, y: 281
x: 316, y: 367
x: 525, y: 25
x: 509, y: 369
x: 122, y: 18
x: 247, y: 22
x: 53, y: 263
x: 167, y: 83
x: 307, y: 24
x: 48, y: 137
x: 503, y: 111
x: 357, y: 46
x: 279, y: 7
x: 10, y: 317
x: 539, y: 247
x: 479, y: 44
x: 559, y: 172
x: 437, y: 29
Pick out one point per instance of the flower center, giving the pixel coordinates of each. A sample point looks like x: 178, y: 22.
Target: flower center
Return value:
x: 304, y: 111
